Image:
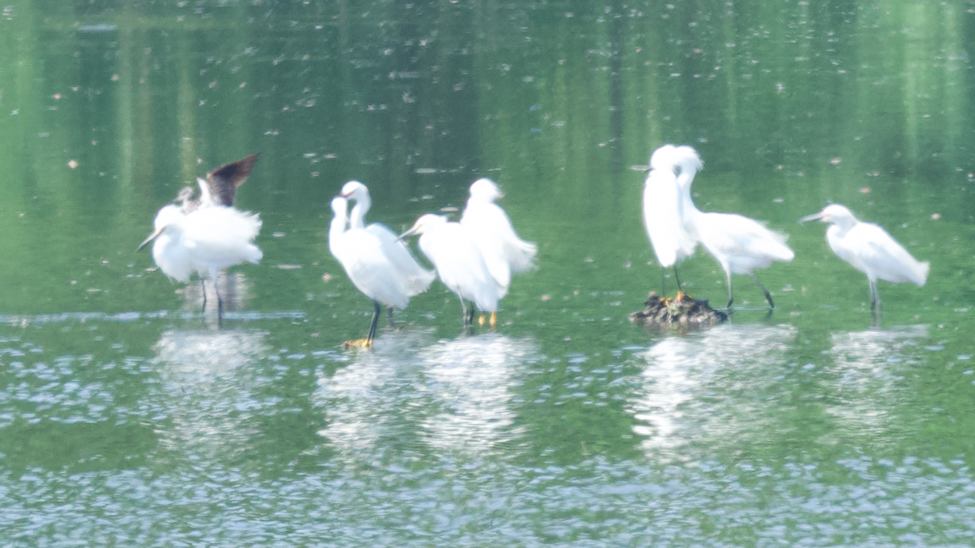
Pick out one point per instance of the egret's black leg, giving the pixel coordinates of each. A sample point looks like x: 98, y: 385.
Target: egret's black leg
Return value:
x: 731, y: 298
x: 203, y: 291
x: 390, y: 316
x: 463, y: 313
x: 375, y: 322
x: 768, y: 296
x: 676, y: 277
x: 875, y: 308
x: 216, y: 289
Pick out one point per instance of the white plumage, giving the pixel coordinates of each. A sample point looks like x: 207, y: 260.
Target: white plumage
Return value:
x: 416, y: 278
x: 739, y: 244
x: 869, y: 249
x: 662, y: 211
x: 503, y: 251
x: 207, y: 241
x: 452, y: 249
x: 364, y: 257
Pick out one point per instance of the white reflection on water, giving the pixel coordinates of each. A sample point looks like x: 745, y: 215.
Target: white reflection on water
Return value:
x: 208, y: 381
x: 366, y: 400
x: 448, y: 395
x: 471, y: 379
x: 680, y: 389
x: 867, y: 374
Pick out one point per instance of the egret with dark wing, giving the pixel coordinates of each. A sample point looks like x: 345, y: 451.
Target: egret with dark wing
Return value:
x: 207, y: 241
x: 662, y: 211
x: 869, y: 249
x: 364, y: 258
x: 453, y: 251
x: 739, y: 244
x: 503, y: 251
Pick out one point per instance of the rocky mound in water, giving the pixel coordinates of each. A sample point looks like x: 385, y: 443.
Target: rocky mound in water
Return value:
x: 682, y: 310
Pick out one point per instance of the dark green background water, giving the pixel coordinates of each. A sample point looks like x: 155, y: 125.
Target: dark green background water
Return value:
x: 128, y: 419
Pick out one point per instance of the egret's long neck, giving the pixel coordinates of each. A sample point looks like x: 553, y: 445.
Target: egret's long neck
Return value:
x: 358, y: 217
x: 339, y: 222
x: 688, y: 211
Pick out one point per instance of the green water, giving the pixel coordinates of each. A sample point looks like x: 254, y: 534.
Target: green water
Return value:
x: 127, y: 418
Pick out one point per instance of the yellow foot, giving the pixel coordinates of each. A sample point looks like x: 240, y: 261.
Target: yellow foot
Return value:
x: 494, y: 319
x: 680, y: 296
x: 480, y: 320
x: 358, y: 343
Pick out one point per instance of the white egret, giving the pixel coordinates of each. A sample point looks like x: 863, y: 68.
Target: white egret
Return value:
x: 662, y: 211
x: 452, y: 250
x: 207, y: 240
x: 869, y: 249
x: 503, y: 251
x: 364, y: 258
x: 416, y: 278
x: 739, y: 244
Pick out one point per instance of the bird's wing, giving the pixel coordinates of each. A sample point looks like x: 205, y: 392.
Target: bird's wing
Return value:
x: 740, y: 236
x: 499, y: 242
x: 416, y: 278
x: 881, y: 253
x: 224, y: 180
x: 369, y: 269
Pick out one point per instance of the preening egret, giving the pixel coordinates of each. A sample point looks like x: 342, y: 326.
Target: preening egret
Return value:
x: 452, y: 250
x: 503, y: 251
x: 364, y: 258
x: 869, y: 249
x: 739, y: 244
x: 662, y: 211
x: 416, y: 278
x: 207, y: 240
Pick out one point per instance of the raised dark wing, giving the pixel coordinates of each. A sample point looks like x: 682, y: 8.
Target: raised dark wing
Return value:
x: 225, y: 179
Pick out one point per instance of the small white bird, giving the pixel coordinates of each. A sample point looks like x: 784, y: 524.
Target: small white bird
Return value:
x: 869, y: 249
x: 452, y: 250
x: 503, y: 251
x: 416, y: 278
x: 207, y: 241
x: 662, y: 211
x: 364, y: 258
x: 739, y: 244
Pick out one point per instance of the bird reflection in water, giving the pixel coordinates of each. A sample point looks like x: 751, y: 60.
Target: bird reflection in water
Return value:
x: 208, y: 377
x: 470, y: 379
x: 448, y: 395
x: 685, y: 378
x: 372, y: 397
x: 866, y: 377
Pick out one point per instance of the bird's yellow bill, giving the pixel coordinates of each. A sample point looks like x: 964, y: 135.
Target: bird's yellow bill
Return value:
x: 155, y: 234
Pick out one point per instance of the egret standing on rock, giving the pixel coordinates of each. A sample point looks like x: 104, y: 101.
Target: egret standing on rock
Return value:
x: 364, y: 257
x: 869, y: 249
x: 207, y: 240
x: 739, y: 244
x: 453, y: 251
x: 662, y: 211
x: 503, y: 251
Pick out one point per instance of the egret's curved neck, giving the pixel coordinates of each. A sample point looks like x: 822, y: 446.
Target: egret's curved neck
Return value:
x: 358, y: 217
x: 688, y: 210
x: 339, y: 222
